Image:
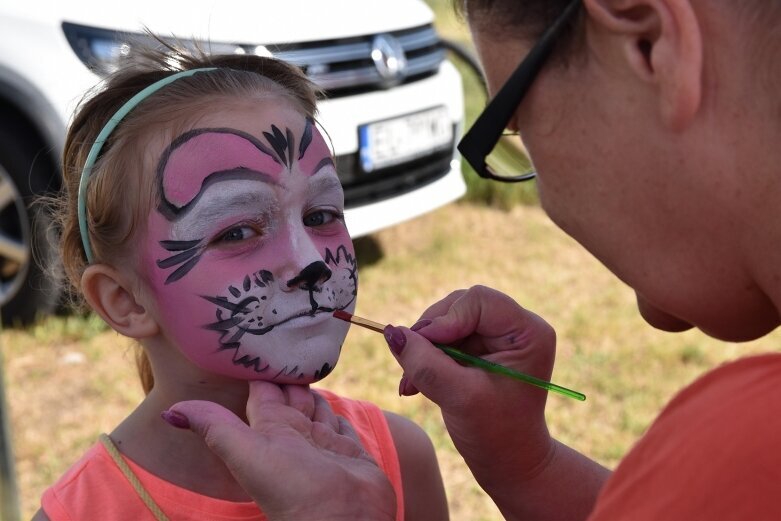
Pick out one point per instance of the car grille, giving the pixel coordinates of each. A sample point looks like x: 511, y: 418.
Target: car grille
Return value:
x: 343, y: 66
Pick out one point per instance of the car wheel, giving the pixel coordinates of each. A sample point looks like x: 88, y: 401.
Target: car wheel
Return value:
x: 26, y: 287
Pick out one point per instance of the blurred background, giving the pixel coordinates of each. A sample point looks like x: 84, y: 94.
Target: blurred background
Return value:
x: 69, y: 378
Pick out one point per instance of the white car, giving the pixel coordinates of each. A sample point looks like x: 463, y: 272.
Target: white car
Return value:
x: 393, y: 107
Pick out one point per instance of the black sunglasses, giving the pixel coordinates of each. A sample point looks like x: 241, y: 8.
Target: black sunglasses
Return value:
x: 482, y: 141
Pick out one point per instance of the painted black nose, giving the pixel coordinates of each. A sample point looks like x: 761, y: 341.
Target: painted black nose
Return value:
x: 314, y: 274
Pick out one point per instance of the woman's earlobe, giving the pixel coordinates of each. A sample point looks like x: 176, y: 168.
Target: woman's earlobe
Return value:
x: 112, y: 297
x: 662, y: 44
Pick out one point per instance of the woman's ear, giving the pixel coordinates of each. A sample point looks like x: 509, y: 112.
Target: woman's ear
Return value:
x: 112, y: 297
x: 662, y: 44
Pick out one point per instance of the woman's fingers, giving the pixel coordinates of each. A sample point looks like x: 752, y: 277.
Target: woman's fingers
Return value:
x: 301, y: 398
x: 344, y: 442
x: 323, y: 413
x: 427, y: 368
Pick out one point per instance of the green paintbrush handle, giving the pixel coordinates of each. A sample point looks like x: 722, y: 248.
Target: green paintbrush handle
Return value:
x: 500, y: 369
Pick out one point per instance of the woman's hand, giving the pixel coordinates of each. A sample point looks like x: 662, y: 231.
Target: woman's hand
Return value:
x: 497, y: 423
x: 295, y: 458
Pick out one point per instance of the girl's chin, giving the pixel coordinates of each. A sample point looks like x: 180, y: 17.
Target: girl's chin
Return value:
x: 295, y: 374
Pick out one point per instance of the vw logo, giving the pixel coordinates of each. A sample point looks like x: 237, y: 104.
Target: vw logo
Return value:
x: 389, y: 58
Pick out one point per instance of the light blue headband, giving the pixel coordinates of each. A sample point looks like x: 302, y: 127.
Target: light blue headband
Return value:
x: 105, y: 132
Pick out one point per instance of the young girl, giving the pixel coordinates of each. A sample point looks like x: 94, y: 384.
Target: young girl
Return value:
x: 202, y: 216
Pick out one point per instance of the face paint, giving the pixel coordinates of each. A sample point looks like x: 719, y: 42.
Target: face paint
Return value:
x: 247, y: 252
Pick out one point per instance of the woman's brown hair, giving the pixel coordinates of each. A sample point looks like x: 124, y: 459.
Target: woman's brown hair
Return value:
x: 529, y: 18
x: 120, y: 193
x: 512, y: 18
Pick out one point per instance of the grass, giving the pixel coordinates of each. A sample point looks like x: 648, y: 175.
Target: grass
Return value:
x: 68, y: 378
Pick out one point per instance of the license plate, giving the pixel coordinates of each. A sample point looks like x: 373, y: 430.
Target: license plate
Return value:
x: 393, y: 141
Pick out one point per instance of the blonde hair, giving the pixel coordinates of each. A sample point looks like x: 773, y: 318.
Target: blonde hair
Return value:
x: 119, y: 193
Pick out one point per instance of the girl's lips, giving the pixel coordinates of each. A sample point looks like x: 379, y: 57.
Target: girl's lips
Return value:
x: 304, y: 314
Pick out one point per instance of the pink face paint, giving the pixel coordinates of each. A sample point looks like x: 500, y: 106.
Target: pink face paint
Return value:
x: 199, y: 155
x: 247, y: 253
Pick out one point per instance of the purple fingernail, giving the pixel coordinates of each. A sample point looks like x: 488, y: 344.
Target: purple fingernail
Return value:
x: 402, y: 385
x: 408, y: 389
x: 395, y: 338
x: 176, y: 419
x: 420, y: 324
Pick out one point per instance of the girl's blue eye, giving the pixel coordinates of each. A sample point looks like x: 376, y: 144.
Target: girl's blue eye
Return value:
x: 319, y: 218
x: 238, y: 233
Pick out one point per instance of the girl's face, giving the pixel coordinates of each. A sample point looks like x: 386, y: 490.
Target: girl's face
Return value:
x: 247, y: 253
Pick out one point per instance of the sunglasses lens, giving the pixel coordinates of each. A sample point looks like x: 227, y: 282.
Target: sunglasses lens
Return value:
x: 509, y: 159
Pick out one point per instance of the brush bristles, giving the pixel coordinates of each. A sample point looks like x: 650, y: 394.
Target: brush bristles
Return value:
x: 358, y: 321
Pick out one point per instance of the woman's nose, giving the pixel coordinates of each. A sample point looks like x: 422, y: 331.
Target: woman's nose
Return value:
x: 310, y: 277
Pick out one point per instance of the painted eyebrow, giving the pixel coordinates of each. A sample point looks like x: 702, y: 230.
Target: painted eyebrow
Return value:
x: 166, y: 207
x: 200, y: 219
x: 325, y: 183
x: 173, y: 214
x: 322, y: 164
x: 217, y: 205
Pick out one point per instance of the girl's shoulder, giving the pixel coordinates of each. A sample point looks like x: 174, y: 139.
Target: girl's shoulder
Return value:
x: 79, y: 488
x: 96, y: 487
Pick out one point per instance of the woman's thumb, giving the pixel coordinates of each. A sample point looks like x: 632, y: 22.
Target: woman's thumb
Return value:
x: 427, y: 368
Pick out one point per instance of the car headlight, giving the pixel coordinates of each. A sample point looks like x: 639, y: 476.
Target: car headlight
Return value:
x: 102, y: 50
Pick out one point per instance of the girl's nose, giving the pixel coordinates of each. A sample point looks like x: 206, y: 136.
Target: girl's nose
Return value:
x: 301, y: 263
x: 310, y: 277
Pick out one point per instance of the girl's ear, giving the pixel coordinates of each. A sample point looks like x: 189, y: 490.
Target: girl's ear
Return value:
x: 661, y: 43
x: 112, y: 297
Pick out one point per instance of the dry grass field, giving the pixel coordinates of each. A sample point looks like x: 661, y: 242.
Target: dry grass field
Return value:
x: 69, y: 378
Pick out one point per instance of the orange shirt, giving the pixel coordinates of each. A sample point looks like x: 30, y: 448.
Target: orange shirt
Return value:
x: 95, y: 488
x: 714, y: 453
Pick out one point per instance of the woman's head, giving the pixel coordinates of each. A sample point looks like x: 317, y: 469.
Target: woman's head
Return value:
x: 215, y: 206
x: 641, y: 151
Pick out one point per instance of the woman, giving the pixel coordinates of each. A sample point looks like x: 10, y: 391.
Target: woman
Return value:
x: 653, y: 125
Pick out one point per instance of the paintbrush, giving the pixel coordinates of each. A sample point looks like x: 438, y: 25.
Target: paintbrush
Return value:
x: 468, y: 359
